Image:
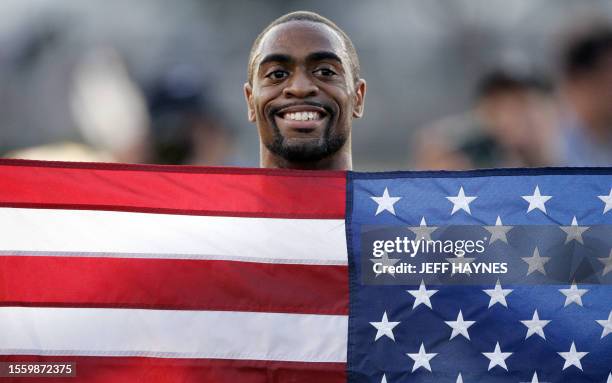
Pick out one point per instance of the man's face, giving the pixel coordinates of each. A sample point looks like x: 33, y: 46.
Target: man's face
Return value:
x: 303, y: 95
x: 602, y: 88
x: 595, y: 91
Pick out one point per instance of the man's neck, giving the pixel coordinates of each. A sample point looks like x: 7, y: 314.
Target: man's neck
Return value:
x: 341, y: 160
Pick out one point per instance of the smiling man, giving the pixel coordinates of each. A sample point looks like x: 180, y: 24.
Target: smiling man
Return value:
x: 303, y: 92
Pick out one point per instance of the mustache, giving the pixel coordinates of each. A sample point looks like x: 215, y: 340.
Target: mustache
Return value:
x: 328, y: 109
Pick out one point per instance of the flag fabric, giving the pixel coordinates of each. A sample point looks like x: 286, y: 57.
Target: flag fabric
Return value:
x: 189, y: 274
x: 173, y: 274
x: 548, y: 319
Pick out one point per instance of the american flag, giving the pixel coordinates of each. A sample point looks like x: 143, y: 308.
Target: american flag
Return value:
x: 165, y: 274
x: 173, y: 274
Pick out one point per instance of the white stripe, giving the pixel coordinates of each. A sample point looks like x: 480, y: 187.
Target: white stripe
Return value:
x: 176, y: 334
x: 125, y: 234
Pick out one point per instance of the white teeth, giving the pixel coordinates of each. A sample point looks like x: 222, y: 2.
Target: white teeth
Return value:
x: 302, y: 116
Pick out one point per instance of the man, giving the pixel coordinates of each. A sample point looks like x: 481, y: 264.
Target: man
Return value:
x: 586, y: 92
x: 511, y: 124
x: 303, y: 92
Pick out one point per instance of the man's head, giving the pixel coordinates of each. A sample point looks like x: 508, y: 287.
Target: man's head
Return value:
x: 303, y: 92
x: 587, y: 74
x: 515, y: 108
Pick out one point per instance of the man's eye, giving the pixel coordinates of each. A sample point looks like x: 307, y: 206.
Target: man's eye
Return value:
x: 277, y: 75
x: 326, y: 72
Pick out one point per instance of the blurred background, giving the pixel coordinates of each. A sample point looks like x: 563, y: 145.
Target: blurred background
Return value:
x: 451, y: 84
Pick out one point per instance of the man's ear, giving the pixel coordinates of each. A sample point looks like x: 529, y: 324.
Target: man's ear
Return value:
x: 248, y: 96
x: 360, y: 92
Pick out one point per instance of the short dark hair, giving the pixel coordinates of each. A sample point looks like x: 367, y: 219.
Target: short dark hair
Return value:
x: 500, y: 81
x: 584, y: 51
x: 314, y: 18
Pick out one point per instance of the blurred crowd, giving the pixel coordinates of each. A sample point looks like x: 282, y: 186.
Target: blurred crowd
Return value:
x: 516, y: 116
x: 170, y: 121
x: 528, y: 120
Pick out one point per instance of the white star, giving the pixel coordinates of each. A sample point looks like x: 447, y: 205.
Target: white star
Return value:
x: 459, y: 378
x: 535, y: 262
x: 607, y: 262
x: 497, y: 358
x: 607, y: 199
x: 384, y: 328
x: 461, y: 202
x: 572, y: 357
x: 385, y: 261
x: 421, y: 359
x: 422, y: 295
x: 498, y: 295
x: 385, y: 202
x: 423, y: 231
x: 607, y: 325
x: 573, y: 295
x: 498, y: 232
x: 536, y: 201
x: 535, y: 325
x: 460, y: 326
x: 535, y: 378
x: 609, y: 378
x: 574, y: 232
x: 464, y: 265
x: 384, y: 379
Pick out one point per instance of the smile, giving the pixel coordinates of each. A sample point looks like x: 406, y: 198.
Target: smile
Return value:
x: 301, y: 121
x: 301, y: 116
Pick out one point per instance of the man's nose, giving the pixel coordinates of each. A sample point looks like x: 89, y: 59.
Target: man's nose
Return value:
x: 301, y: 85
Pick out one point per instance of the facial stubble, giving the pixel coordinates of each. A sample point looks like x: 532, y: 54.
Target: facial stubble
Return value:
x: 304, y: 149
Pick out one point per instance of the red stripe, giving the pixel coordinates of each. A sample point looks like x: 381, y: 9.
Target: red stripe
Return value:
x: 173, y: 284
x: 173, y: 189
x: 158, y: 370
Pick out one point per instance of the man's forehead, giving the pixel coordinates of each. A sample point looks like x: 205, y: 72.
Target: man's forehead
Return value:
x: 300, y: 38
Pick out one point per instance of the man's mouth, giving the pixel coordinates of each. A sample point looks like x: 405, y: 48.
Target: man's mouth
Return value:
x: 301, y: 120
x: 301, y: 116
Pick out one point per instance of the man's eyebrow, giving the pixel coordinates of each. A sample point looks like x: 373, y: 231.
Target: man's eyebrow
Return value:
x: 323, y: 55
x: 276, y: 57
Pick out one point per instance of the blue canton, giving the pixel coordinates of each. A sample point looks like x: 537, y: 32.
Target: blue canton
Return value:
x: 496, y: 332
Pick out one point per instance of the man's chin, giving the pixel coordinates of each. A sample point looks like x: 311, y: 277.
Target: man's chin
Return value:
x: 300, y: 149
x: 304, y: 153
x: 303, y: 143
x: 305, y: 150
